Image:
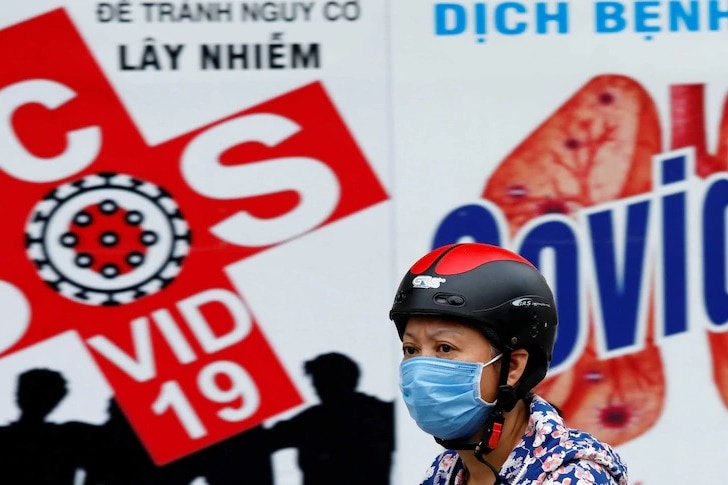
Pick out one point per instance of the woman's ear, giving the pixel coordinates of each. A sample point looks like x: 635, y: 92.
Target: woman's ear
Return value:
x: 517, y: 365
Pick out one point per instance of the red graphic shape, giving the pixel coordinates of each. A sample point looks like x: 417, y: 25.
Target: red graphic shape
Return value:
x: 187, y: 360
x: 688, y: 129
x: 108, y: 244
x: 595, y: 148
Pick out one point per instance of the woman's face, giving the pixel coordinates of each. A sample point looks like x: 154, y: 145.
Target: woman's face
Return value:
x: 444, y: 339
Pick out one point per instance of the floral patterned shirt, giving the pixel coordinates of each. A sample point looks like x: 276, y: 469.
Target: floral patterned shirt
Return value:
x: 548, y: 454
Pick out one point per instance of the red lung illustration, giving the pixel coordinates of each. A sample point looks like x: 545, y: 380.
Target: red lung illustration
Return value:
x: 595, y: 148
x: 719, y: 341
x: 688, y: 129
x: 719, y: 349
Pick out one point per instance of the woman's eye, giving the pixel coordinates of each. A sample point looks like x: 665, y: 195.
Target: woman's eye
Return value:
x: 445, y: 348
x: 408, y: 350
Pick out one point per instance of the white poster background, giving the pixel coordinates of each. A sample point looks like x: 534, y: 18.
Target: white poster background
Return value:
x: 461, y: 106
x: 434, y: 116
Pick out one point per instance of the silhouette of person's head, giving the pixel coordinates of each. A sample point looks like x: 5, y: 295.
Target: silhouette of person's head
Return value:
x: 39, y: 391
x: 114, y: 410
x: 335, y: 376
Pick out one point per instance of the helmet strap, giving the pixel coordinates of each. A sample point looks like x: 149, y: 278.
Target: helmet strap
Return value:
x: 492, y: 430
x: 505, y: 401
x: 507, y: 396
x: 455, y: 444
x: 491, y: 433
x: 494, y: 425
x: 488, y: 441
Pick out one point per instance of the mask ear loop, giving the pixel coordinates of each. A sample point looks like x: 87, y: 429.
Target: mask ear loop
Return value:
x: 466, y: 445
x: 494, y: 425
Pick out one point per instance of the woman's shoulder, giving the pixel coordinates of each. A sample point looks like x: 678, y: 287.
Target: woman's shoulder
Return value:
x: 551, y: 449
x: 444, y: 467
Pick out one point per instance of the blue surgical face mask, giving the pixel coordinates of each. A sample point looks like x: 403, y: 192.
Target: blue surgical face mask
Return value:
x: 443, y: 396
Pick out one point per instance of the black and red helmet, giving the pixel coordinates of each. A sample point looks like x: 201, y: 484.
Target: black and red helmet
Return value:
x: 491, y: 288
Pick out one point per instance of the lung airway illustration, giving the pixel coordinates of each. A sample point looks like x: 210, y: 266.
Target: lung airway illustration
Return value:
x: 688, y: 129
x: 597, y: 147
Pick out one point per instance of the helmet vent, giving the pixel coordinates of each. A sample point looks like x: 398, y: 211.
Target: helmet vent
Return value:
x: 536, y: 328
x: 449, y: 299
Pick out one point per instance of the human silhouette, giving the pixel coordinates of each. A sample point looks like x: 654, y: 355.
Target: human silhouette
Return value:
x: 34, y: 451
x: 121, y: 459
x: 118, y: 457
x: 243, y: 459
x: 348, y: 437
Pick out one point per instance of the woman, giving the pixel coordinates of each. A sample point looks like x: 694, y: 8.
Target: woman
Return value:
x: 478, y: 324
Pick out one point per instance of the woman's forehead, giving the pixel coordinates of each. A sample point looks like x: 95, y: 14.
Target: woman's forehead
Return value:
x: 430, y: 327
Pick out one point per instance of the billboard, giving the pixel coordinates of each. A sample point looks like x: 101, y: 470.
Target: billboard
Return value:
x: 203, y: 200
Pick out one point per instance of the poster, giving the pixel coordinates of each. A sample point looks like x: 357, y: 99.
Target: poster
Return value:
x: 203, y: 199
x: 587, y: 136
